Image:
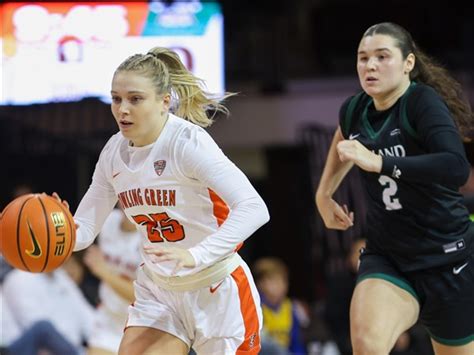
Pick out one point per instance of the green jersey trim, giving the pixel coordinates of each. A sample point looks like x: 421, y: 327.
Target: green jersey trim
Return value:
x: 453, y: 342
x: 368, y: 127
x: 350, y: 112
x: 403, y: 109
x: 366, y: 123
x: 397, y: 282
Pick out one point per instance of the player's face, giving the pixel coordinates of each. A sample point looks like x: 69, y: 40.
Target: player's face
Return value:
x: 140, y: 113
x: 381, y: 67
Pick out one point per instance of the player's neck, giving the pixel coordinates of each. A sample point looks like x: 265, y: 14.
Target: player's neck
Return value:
x: 385, y: 102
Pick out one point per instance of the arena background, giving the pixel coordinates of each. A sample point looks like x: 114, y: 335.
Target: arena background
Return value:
x: 293, y: 64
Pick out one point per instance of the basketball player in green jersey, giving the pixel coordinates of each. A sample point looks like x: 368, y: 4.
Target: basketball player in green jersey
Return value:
x: 404, y: 132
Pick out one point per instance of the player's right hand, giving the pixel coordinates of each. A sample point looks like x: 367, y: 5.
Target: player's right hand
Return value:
x: 335, y: 216
x: 65, y: 204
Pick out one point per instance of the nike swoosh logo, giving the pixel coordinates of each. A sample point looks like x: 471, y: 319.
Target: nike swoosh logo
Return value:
x: 457, y: 270
x: 214, y: 289
x: 354, y: 136
x: 36, y: 252
x: 116, y: 174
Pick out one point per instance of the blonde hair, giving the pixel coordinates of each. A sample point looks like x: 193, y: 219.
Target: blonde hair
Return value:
x: 169, y: 75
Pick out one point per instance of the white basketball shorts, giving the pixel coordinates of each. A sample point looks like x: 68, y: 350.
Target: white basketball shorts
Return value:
x: 223, y: 318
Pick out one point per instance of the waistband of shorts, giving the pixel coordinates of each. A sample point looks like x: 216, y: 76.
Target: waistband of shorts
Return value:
x: 203, y: 278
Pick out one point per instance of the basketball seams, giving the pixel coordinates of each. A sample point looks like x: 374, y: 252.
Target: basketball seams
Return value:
x: 6, y: 209
x: 71, y: 225
x: 20, y: 254
x: 47, y: 232
x: 45, y: 213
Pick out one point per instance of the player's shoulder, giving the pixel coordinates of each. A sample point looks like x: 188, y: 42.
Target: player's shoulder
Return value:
x: 183, y: 126
x: 421, y: 93
x: 112, y: 144
x: 108, y: 154
x: 114, y: 140
x: 352, y: 102
x: 187, y: 132
x: 422, y: 88
x: 349, y: 107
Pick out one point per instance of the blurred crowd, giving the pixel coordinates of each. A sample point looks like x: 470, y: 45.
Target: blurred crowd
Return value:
x: 81, y: 308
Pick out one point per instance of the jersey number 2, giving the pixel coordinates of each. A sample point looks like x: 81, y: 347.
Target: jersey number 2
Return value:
x: 160, y: 226
x: 391, y: 202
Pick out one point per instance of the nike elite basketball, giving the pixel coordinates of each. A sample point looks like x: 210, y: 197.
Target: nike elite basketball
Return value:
x: 37, y: 233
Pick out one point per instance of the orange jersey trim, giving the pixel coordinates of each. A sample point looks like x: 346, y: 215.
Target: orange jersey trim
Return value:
x: 251, y: 343
x: 221, y: 212
x: 220, y: 209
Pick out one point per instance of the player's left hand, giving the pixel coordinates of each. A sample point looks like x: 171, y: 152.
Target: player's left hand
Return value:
x: 183, y: 258
x: 354, y: 151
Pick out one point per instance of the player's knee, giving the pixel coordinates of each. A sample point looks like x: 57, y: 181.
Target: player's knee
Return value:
x: 367, y: 341
x: 368, y: 346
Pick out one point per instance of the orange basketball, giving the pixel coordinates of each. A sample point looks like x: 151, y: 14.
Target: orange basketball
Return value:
x: 37, y: 233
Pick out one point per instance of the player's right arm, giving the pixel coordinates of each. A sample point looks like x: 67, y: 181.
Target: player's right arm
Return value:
x: 97, y: 203
x: 333, y: 215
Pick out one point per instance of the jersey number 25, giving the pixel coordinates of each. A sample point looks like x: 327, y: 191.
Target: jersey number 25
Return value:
x: 160, y: 226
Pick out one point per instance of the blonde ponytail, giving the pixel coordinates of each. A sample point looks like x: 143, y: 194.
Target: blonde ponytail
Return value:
x: 169, y: 75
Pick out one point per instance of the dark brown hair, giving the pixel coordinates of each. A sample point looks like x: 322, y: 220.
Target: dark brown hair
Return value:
x: 428, y: 71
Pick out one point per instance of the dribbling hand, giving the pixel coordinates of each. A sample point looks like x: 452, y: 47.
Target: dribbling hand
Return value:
x: 65, y: 204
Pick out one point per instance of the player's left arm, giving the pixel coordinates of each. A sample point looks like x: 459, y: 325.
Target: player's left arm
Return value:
x: 445, y: 159
x: 248, y: 212
x: 200, y: 158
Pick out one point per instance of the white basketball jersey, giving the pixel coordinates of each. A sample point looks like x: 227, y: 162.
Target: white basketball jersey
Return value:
x: 176, y: 196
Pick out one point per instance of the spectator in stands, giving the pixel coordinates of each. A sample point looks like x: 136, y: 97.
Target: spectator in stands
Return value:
x: 114, y: 262
x: 282, y: 317
x: 52, y: 298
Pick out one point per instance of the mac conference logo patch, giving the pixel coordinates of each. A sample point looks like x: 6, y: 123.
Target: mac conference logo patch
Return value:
x: 159, y: 166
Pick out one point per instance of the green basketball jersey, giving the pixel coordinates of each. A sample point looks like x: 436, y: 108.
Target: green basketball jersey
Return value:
x: 416, y: 222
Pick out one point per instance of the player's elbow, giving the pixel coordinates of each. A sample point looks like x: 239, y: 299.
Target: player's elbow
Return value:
x: 258, y: 209
x: 265, y: 214
x: 461, y: 174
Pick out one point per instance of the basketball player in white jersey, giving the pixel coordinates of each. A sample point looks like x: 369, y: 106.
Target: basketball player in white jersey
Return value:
x: 193, y: 206
x: 114, y: 262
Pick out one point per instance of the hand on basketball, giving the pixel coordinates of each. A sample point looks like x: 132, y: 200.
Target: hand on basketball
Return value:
x: 37, y: 233
x: 333, y: 215
x: 354, y: 151
x: 183, y: 258
x: 65, y: 204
